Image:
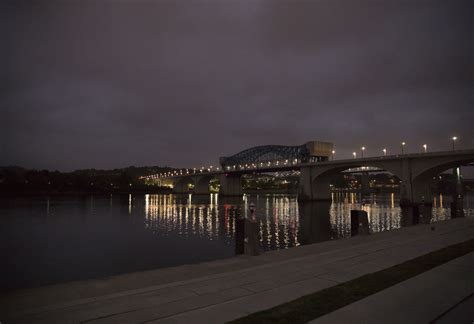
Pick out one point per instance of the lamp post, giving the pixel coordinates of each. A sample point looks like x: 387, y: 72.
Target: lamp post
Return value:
x: 425, y: 147
x: 384, y: 152
x: 362, y: 149
x: 354, y: 154
x: 403, y: 146
x: 332, y: 154
x: 454, y: 140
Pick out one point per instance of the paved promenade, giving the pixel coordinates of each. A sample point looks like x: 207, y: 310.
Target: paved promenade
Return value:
x: 441, y: 295
x: 223, y: 290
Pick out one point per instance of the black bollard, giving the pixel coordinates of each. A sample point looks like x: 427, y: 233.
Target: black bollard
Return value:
x: 251, y: 233
x: 251, y: 237
x: 359, y: 222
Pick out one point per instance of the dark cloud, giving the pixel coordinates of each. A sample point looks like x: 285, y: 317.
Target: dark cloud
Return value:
x: 112, y: 83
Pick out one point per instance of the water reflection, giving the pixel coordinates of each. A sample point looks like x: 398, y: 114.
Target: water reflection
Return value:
x: 283, y: 221
x: 383, y: 213
x: 44, y: 239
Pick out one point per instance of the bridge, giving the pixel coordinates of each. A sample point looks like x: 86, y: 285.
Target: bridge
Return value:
x: 317, y: 170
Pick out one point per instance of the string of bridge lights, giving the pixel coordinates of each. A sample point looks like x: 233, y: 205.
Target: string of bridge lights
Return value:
x: 276, y: 163
x: 424, y: 148
x: 248, y: 166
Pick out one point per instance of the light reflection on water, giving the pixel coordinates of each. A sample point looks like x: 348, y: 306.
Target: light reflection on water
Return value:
x: 283, y: 221
x: 49, y: 240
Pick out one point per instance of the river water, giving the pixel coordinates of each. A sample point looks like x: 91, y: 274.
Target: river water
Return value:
x: 55, y: 239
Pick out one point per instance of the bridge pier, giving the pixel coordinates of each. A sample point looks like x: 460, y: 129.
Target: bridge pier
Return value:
x: 316, y: 190
x: 416, y: 201
x: 315, y: 221
x: 181, y: 187
x: 305, y: 189
x: 364, y: 183
x: 231, y: 185
x: 201, y: 187
x: 420, y: 192
x: 457, y: 205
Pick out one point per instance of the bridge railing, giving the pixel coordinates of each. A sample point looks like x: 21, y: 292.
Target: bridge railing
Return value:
x: 237, y: 167
x: 262, y: 164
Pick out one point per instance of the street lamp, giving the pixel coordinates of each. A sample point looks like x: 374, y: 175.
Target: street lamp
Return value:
x: 425, y: 147
x: 354, y: 154
x: 332, y: 156
x: 384, y: 152
x: 403, y: 146
x: 362, y: 149
x: 454, y: 140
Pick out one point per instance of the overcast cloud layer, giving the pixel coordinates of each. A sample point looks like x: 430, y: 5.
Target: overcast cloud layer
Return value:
x: 108, y: 84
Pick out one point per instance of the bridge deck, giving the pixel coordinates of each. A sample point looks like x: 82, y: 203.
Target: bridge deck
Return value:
x: 289, y: 166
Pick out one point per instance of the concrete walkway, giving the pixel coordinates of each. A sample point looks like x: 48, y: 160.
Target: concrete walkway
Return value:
x: 443, y: 295
x: 223, y: 290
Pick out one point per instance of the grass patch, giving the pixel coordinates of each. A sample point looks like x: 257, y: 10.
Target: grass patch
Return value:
x: 311, y: 306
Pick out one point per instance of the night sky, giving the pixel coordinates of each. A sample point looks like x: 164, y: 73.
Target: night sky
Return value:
x: 105, y: 84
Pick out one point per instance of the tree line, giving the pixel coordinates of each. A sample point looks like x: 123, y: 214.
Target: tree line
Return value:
x: 20, y: 180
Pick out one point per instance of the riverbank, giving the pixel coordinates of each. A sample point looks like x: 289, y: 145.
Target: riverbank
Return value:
x: 228, y: 289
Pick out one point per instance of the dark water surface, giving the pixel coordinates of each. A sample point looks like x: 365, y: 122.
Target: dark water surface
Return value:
x: 48, y: 240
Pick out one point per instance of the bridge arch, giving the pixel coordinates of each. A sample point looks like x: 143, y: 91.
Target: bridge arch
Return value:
x: 312, y: 151
x: 435, y: 166
x: 320, y: 178
x: 424, y: 172
x: 266, y: 153
x: 415, y: 172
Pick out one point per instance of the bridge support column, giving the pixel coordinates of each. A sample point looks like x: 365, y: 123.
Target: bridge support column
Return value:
x: 421, y: 193
x: 315, y: 221
x: 310, y: 189
x: 321, y: 189
x: 305, y: 191
x: 416, y: 201
x: 231, y: 185
x: 201, y: 187
x: 180, y: 187
x: 457, y: 205
x: 364, y: 183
